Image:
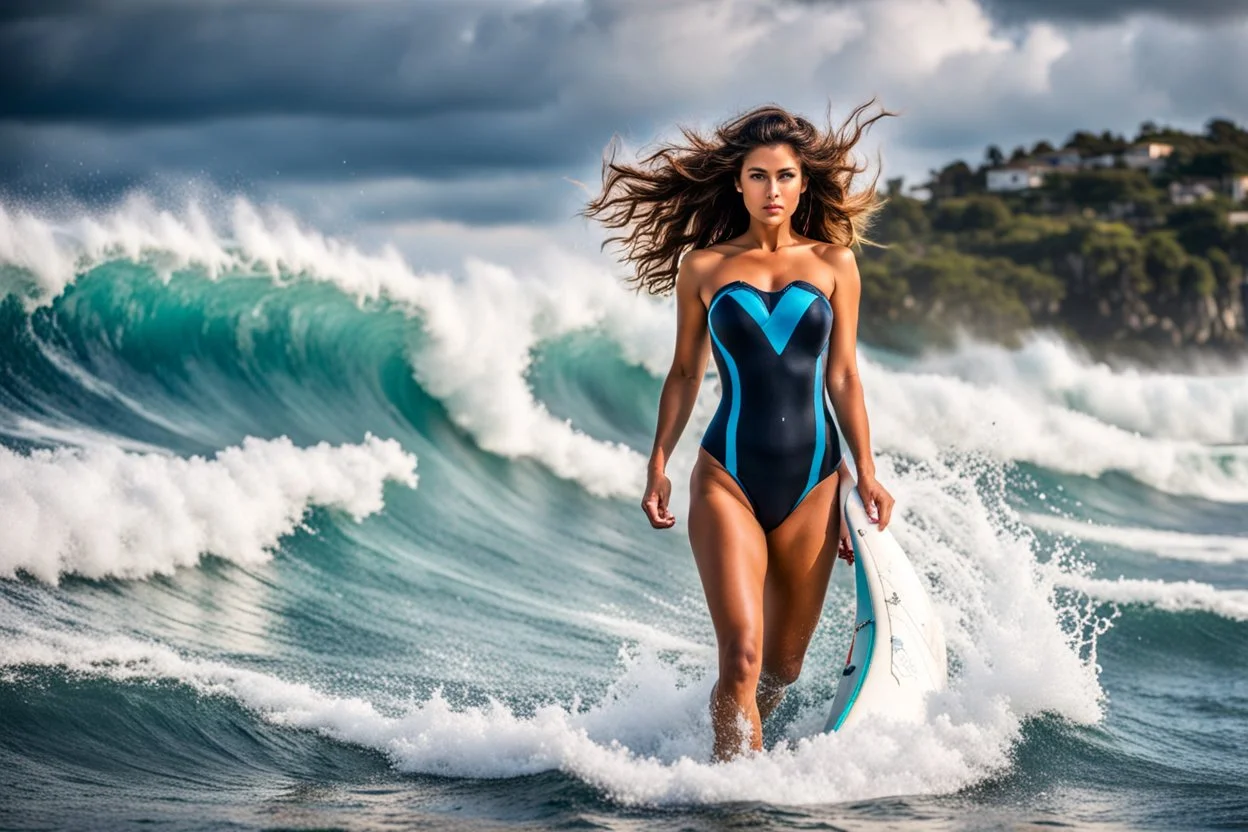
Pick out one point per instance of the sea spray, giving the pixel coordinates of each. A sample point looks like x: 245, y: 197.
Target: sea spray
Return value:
x: 1208, y: 407
x: 480, y: 330
x: 480, y: 589
x: 646, y: 740
x: 102, y: 512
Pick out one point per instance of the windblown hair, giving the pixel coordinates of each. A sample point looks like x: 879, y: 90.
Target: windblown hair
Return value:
x: 682, y: 197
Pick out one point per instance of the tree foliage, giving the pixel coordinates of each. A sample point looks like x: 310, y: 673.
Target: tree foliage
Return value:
x: 1102, y: 253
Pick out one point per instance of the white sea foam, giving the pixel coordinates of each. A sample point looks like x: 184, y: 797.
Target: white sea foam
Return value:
x: 1203, y: 548
x: 1174, y: 596
x: 923, y: 414
x: 1210, y: 408
x: 647, y: 740
x: 1044, y: 405
x: 480, y: 329
x: 481, y: 333
x: 101, y: 512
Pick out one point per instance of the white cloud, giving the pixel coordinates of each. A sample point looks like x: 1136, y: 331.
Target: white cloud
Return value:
x: 641, y: 67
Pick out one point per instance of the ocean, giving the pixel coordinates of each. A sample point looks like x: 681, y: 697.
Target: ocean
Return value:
x: 299, y: 535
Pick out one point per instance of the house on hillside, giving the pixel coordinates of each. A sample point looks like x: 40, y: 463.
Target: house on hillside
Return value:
x: 1189, y: 193
x: 1237, y: 187
x: 1150, y: 156
x: 1016, y: 176
x: 1102, y: 160
x: 1065, y: 161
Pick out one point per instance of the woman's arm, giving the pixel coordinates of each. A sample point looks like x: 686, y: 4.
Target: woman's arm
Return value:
x: 680, y: 388
x: 844, y: 385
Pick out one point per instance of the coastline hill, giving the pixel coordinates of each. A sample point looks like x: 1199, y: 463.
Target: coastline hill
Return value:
x: 1111, y: 241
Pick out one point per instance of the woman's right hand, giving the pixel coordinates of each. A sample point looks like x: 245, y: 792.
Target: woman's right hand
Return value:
x: 654, y: 503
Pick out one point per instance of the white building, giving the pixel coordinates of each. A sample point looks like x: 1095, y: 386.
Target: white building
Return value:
x: 1150, y: 156
x: 1059, y: 160
x: 1015, y: 177
x: 1189, y: 193
x: 1238, y: 187
x: 1104, y: 160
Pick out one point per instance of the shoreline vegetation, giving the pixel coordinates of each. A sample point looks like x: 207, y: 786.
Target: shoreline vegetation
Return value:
x: 1125, y: 246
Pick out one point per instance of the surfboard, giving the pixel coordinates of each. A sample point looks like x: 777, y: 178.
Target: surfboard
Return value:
x: 897, y: 656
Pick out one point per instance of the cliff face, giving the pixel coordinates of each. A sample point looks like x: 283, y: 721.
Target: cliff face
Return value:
x: 1114, y: 306
x: 1110, y: 240
x: 998, y: 266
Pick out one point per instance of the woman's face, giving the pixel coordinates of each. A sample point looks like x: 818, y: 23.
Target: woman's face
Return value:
x: 771, y: 183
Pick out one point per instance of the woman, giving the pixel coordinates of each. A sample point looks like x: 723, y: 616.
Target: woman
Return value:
x: 779, y: 311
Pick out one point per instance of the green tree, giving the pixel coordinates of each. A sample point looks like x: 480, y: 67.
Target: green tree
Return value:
x: 1090, y: 144
x: 1039, y: 291
x: 1197, y: 278
x: 954, y: 180
x: 956, y: 288
x: 1114, y: 257
x: 1100, y: 188
x: 1226, y: 273
x: 985, y: 212
x: 1201, y: 227
x: 1163, y: 260
x: 1223, y: 131
x: 976, y: 213
x: 884, y: 286
x: 1237, y: 246
x: 902, y: 219
x: 1217, y: 163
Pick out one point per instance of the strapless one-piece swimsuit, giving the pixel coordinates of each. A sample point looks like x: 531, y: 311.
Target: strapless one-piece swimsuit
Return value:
x: 773, y: 430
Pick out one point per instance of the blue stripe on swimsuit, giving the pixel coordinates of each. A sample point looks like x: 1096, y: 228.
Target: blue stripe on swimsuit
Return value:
x: 773, y: 431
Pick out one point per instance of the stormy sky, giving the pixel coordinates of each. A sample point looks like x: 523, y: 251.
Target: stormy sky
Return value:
x: 468, y: 114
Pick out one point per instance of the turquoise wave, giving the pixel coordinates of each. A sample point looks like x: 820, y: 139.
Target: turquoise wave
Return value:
x: 493, y: 582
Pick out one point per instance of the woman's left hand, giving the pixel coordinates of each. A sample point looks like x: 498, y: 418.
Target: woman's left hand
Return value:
x: 845, y: 548
x: 878, y: 502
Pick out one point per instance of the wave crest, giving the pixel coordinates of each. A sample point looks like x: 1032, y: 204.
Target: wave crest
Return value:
x: 101, y: 512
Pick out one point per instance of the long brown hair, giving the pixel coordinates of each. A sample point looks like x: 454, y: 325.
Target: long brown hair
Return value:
x: 681, y: 197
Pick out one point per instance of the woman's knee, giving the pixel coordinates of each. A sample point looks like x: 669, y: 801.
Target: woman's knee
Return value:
x: 740, y: 662
x: 783, y: 672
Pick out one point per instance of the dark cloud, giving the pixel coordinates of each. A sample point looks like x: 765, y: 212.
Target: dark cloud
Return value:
x: 496, y: 100
x: 460, y: 159
x: 1091, y: 11
x: 134, y: 62
x: 97, y: 98
x: 1020, y: 11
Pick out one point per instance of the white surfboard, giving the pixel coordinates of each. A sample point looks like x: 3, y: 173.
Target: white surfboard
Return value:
x: 898, y: 652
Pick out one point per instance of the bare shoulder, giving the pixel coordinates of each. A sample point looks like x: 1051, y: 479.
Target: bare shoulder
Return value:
x: 696, y: 267
x: 838, y: 257
x: 841, y: 259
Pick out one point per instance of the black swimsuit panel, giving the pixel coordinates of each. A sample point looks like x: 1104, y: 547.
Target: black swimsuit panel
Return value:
x: 773, y: 431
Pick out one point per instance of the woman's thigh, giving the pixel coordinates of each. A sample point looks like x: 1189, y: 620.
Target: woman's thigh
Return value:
x: 731, y: 554
x: 802, y: 551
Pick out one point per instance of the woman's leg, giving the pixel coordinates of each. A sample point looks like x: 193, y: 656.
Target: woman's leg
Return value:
x: 801, y: 553
x: 731, y: 553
